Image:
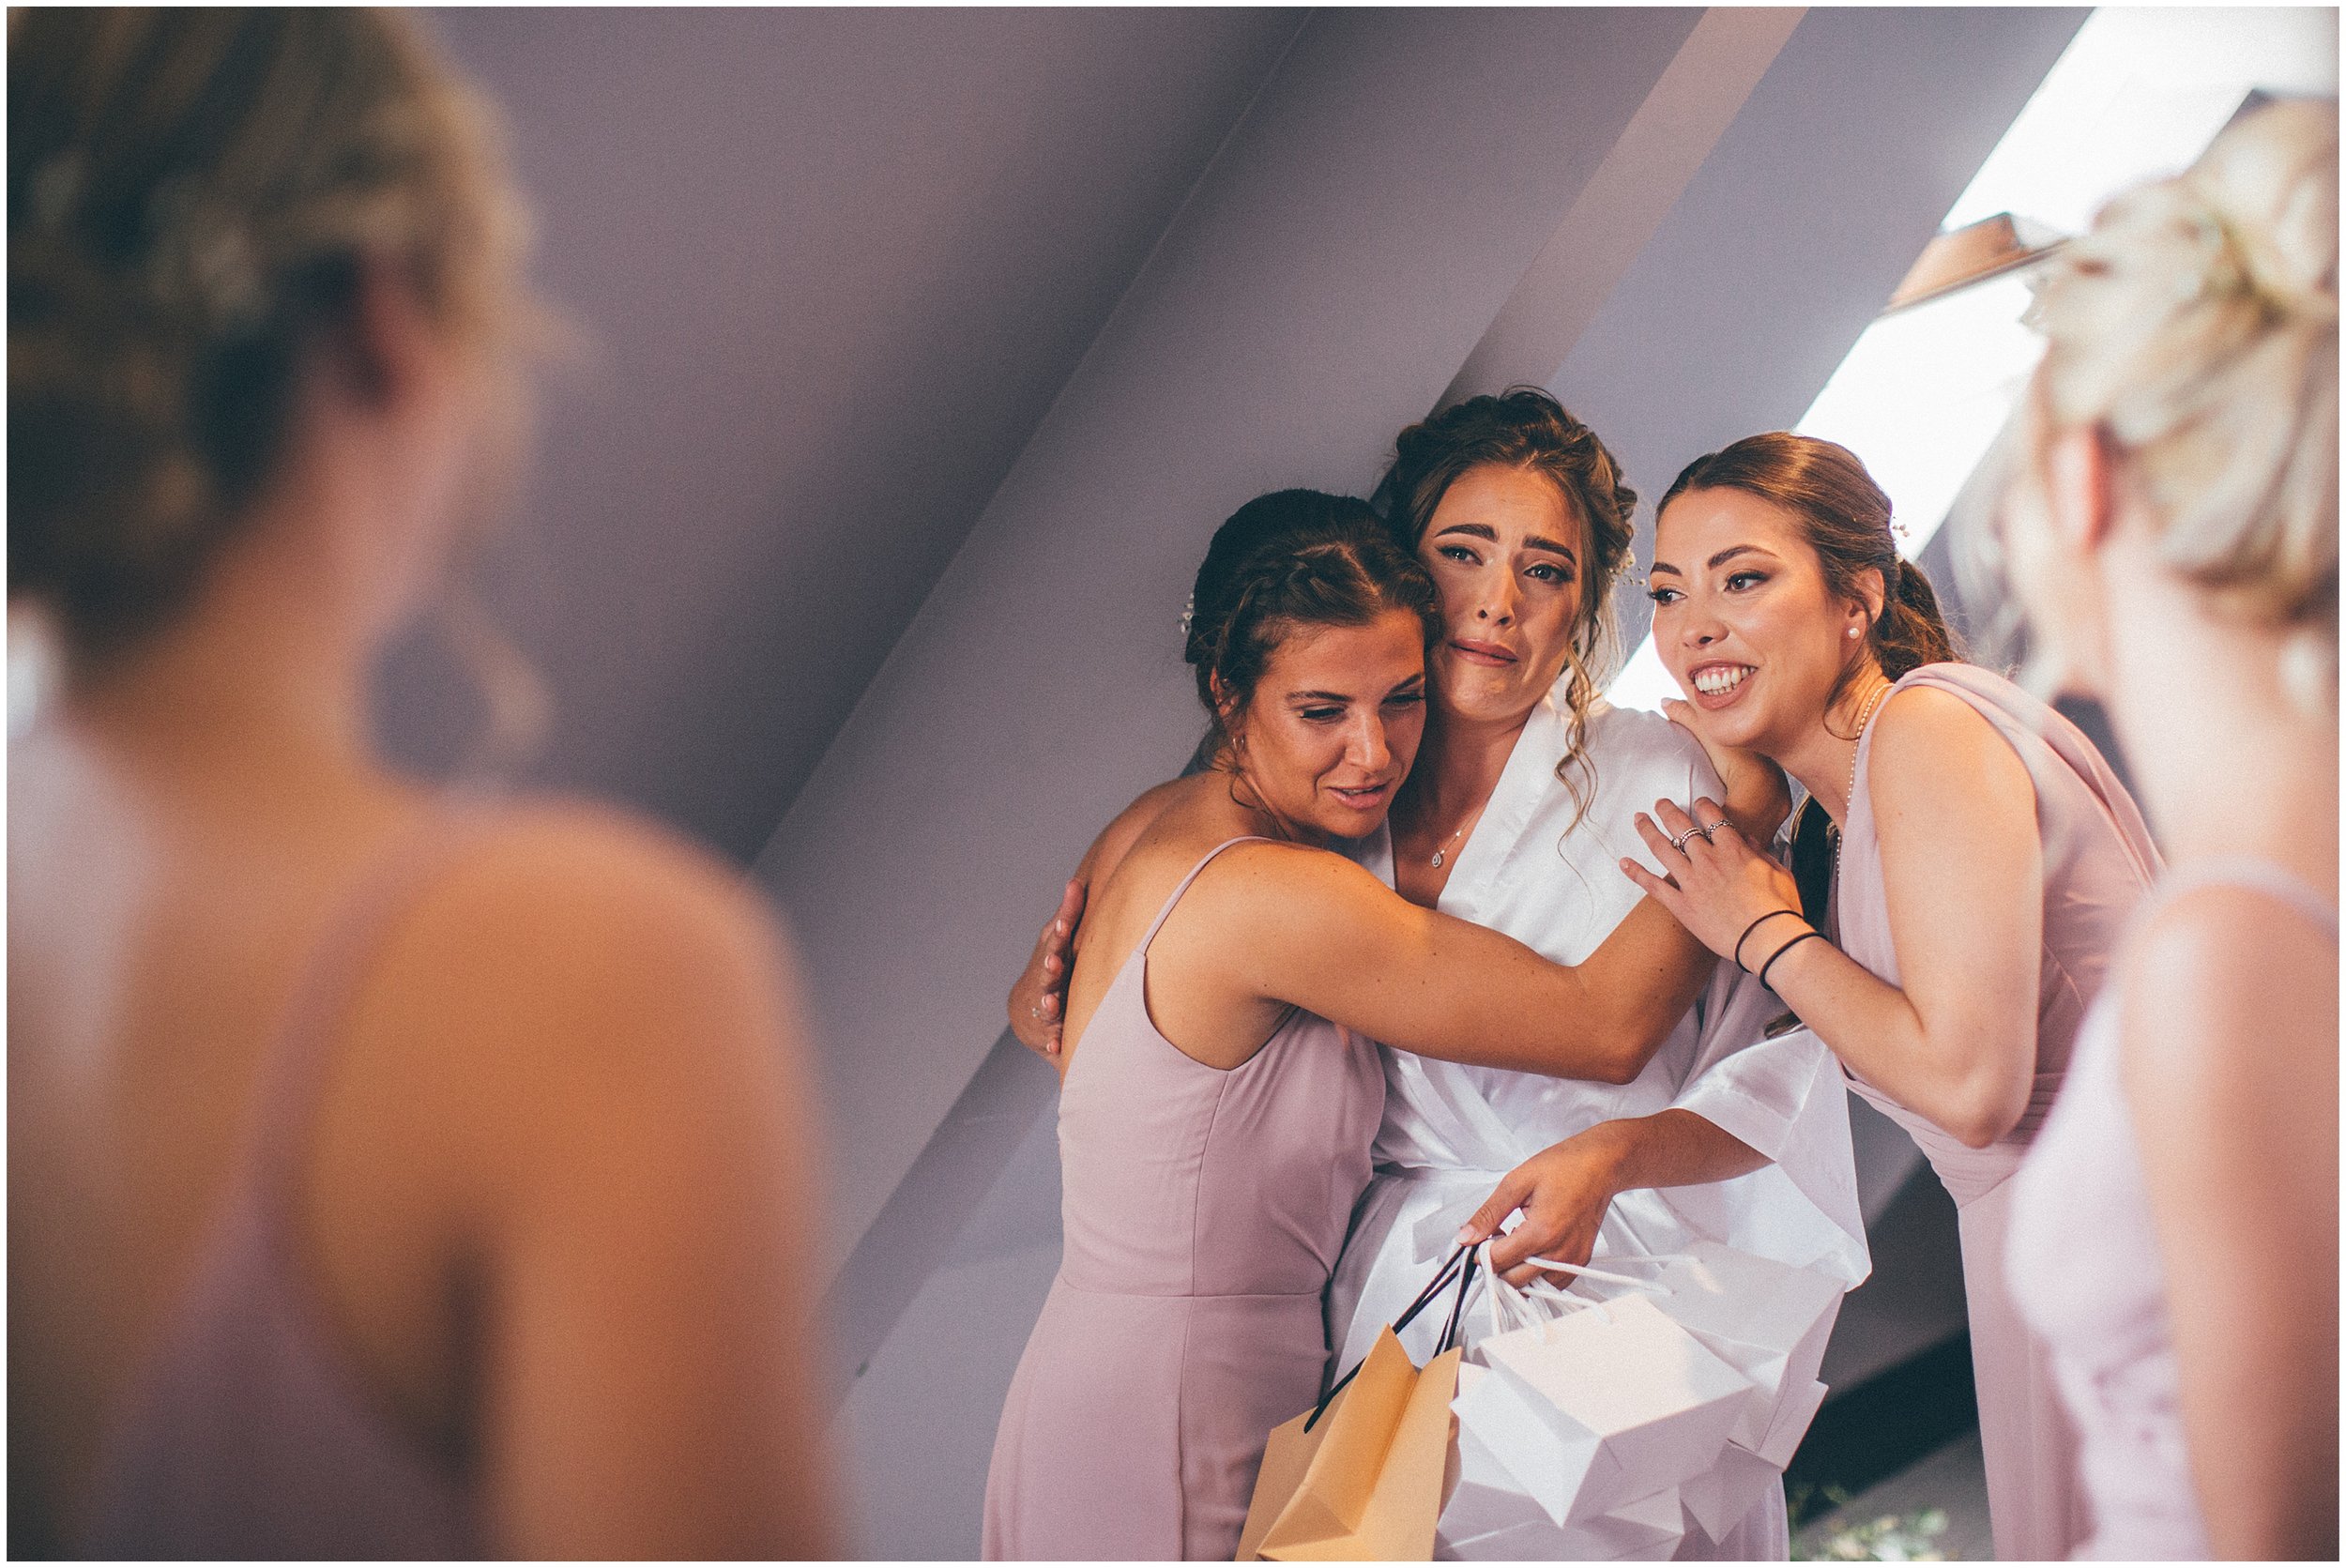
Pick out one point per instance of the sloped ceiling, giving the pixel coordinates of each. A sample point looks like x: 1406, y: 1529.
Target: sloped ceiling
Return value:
x: 832, y: 266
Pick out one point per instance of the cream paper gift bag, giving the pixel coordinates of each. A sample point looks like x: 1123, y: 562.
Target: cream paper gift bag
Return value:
x: 1360, y: 1478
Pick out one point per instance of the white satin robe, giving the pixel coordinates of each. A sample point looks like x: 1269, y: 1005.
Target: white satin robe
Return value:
x: 1450, y: 1131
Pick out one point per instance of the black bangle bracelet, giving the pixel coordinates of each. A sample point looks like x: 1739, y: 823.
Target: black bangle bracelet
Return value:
x: 1752, y: 927
x: 1787, y: 946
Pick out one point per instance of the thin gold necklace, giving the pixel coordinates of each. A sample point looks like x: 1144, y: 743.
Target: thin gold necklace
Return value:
x: 1849, y: 804
x: 1864, y: 715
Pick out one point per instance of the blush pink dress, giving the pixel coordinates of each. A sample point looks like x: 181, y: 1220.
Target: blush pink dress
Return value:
x: 249, y: 1432
x: 2098, y: 862
x: 1203, y: 1212
x: 2086, y: 1271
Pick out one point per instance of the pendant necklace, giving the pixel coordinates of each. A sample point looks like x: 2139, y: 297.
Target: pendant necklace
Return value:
x: 1446, y: 843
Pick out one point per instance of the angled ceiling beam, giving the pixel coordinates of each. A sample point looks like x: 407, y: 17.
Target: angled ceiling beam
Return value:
x: 1673, y: 130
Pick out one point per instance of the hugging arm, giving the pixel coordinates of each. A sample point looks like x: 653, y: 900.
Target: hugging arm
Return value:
x: 1313, y: 929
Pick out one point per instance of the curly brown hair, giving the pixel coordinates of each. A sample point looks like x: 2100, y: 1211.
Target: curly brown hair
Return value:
x: 1526, y: 428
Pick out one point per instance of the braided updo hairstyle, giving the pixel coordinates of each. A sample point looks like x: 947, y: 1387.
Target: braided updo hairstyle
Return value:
x: 1526, y: 428
x: 1292, y: 558
x: 192, y: 196
x: 2197, y: 327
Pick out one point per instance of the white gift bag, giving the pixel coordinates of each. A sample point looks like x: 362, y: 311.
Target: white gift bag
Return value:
x: 1718, y: 1500
x: 1768, y: 1321
x: 1490, y: 1515
x: 1606, y: 1405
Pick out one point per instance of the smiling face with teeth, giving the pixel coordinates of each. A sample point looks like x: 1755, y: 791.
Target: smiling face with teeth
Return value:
x: 1333, y: 723
x: 1745, y: 621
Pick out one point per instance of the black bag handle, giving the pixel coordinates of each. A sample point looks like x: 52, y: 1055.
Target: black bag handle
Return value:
x: 1465, y: 1273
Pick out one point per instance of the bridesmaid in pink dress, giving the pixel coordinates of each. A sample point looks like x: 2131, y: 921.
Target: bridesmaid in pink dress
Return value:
x: 1222, y: 1083
x: 2174, y: 1233
x: 1970, y: 862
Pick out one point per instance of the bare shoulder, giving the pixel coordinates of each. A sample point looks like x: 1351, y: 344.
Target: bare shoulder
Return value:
x: 1117, y: 839
x: 1928, y: 741
x: 2229, y: 997
x: 571, y: 928
x: 1266, y: 890
x: 1925, y: 721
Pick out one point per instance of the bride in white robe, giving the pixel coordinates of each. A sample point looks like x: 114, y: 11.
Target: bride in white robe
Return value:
x: 1450, y: 1132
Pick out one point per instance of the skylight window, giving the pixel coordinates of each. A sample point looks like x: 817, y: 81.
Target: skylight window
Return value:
x: 2137, y: 95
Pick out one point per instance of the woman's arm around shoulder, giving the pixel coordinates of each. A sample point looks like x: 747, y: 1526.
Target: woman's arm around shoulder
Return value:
x: 2230, y: 1067
x: 630, y: 1124
x: 1311, y: 928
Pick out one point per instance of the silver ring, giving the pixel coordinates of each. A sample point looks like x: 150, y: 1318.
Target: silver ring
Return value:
x: 1035, y: 1013
x: 1679, y: 843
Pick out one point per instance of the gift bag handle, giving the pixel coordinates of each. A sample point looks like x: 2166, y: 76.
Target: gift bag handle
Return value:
x: 1461, y: 1261
x: 1516, y: 1294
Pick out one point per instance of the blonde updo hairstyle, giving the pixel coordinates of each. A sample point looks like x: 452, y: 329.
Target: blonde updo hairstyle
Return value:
x: 194, y: 195
x: 2196, y: 327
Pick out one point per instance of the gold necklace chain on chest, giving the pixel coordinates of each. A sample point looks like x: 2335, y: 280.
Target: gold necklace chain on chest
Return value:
x: 1864, y: 716
x: 1849, y: 805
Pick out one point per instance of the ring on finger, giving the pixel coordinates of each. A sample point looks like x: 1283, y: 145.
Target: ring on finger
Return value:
x: 1679, y: 841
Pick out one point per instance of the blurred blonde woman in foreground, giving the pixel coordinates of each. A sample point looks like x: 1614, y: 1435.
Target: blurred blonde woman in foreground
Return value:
x: 387, y: 1177
x: 2173, y: 531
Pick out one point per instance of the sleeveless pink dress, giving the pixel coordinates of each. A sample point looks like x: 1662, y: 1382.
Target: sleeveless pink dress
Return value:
x: 2087, y: 1276
x: 1203, y: 1211
x: 249, y: 1434
x: 2098, y: 861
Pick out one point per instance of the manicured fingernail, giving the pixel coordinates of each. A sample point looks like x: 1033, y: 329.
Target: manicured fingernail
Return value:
x: 1466, y: 1235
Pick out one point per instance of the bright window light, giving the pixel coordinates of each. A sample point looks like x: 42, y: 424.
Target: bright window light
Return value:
x: 2137, y: 95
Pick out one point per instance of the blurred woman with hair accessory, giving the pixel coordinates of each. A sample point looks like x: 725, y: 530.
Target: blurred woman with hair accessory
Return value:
x: 2172, y: 533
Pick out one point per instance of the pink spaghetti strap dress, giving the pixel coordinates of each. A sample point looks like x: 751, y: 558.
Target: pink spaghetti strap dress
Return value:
x: 1203, y: 1212
x: 248, y: 1433
x: 2098, y: 861
x: 2088, y: 1278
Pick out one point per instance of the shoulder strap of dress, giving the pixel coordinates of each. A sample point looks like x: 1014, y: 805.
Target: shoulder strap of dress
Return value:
x: 293, y: 1074
x: 2246, y: 871
x: 1183, y: 886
